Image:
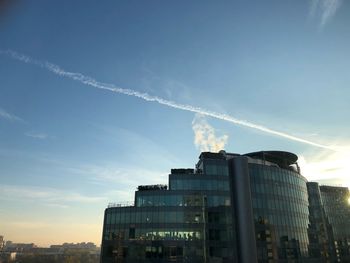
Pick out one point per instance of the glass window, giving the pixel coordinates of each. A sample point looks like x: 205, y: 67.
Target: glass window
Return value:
x: 208, y: 185
x: 143, y: 216
x: 108, y: 218
x: 139, y: 201
x: 172, y: 200
x: 226, y: 186
x: 156, y: 199
x: 171, y: 217
x: 220, y: 185
x: 208, y: 169
x: 225, y: 170
x: 121, y: 217
x: 203, y: 184
x: 196, y: 185
x: 174, y: 184
x: 127, y: 217
x: 150, y: 200
x: 219, y: 169
x: 132, y: 216
x: 191, y: 184
x: 214, y: 184
x: 186, y: 184
x: 180, y: 184
x: 178, y: 200
x: 150, y: 217
x: 216, y: 200
x: 166, y: 200
x: 179, y: 217
x: 117, y: 217
x: 138, y: 217
x: 162, y: 216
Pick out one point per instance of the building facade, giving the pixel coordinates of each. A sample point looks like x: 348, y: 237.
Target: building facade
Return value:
x: 230, y: 208
x: 337, y: 209
x: 320, y: 232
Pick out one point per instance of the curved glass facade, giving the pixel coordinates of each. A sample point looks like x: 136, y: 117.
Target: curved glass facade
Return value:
x: 281, y: 215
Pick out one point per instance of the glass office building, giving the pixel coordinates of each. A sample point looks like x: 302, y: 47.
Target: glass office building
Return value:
x: 229, y: 208
x: 320, y: 232
x: 280, y: 206
x: 336, y: 205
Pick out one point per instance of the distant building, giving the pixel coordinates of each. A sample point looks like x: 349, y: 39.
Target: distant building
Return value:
x: 336, y: 205
x: 88, y: 246
x: 67, y: 252
x: 2, y: 243
x: 255, y: 207
x: 322, y: 244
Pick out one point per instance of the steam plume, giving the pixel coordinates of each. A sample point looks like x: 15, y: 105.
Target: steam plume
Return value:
x: 204, y: 135
x: 110, y: 87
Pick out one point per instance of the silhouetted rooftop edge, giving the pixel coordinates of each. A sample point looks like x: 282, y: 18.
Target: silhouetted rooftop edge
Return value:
x: 287, y: 158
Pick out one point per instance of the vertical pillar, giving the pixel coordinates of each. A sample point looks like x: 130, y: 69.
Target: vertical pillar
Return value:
x: 242, y: 211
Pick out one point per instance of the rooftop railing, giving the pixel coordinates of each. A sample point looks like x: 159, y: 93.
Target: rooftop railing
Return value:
x: 152, y: 187
x: 123, y: 204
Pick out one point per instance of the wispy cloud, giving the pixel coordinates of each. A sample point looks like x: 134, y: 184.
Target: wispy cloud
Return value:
x: 324, y: 10
x: 46, y: 196
x: 204, y: 135
x: 123, y: 177
x: 38, y: 135
x: 9, y: 116
x: 144, y: 96
x: 30, y: 225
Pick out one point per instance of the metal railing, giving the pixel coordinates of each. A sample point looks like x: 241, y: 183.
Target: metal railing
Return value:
x: 123, y: 204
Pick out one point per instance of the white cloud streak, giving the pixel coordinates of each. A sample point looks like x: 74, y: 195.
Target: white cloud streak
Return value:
x: 205, y: 138
x: 324, y: 10
x: 112, y: 88
x: 41, y: 136
x: 8, y: 116
x: 47, y: 196
x: 126, y: 178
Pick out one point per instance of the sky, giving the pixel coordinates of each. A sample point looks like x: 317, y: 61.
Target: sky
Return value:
x: 98, y: 98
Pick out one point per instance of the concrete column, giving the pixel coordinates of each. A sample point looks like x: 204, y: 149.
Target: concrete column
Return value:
x: 243, y: 210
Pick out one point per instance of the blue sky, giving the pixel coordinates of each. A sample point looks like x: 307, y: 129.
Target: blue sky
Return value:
x: 67, y: 148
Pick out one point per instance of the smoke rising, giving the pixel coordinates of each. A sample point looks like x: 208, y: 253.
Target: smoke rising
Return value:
x: 110, y: 87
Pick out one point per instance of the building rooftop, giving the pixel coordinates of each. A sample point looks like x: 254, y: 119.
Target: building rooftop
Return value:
x: 182, y: 171
x: 279, y: 157
x: 152, y: 187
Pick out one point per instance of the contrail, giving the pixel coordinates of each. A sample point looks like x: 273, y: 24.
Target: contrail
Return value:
x: 110, y: 87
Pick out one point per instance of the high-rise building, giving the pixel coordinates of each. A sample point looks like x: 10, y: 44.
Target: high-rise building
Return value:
x: 230, y: 208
